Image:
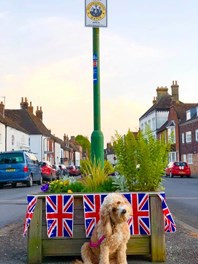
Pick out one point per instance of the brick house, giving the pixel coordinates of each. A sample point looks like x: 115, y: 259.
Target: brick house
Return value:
x: 169, y: 118
x: 189, y: 138
x: 171, y: 128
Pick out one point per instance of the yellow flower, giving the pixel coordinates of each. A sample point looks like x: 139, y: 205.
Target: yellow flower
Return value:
x: 66, y: 183
x: 69, y: 191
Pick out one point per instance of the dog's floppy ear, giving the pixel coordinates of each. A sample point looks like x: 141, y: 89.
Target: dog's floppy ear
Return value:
x: 105, y: 221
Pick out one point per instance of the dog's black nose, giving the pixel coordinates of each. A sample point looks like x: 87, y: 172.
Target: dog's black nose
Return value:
x: 124, y: 211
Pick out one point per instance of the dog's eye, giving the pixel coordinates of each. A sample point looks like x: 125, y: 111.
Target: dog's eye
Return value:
x: 114, y: 209
x: 118, y: 202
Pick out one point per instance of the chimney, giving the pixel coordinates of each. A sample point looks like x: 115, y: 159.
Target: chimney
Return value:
x: 175, y: 91
x: 24, y: 103
x: 66, y: 140
x: 72, y: 139
x: 39, y: 113
x: 161, y: 91
x: 30, y: 108
x: 2, y: 109
x: 109, y: 146
x: 154, y: 100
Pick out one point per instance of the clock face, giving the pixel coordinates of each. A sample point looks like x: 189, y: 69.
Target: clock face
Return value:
x: 96, y: 11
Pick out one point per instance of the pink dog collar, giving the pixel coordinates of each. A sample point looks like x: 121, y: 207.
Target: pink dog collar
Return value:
x: 92, y: 244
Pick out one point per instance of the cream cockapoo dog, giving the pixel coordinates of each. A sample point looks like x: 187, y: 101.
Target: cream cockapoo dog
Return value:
x: 110, y: 236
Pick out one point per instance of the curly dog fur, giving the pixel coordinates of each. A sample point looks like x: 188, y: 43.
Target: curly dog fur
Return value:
x: 114, y: 214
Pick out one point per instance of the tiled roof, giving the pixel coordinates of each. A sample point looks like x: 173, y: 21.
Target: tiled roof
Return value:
x: 60, y: 141
x: 28, y: 121
x: 9, y: 122
x: 181, y: 108
x: 163, y: 104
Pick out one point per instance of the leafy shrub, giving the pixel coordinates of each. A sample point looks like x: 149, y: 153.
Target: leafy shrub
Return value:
x: 120, y: 183
x: 141, y: 160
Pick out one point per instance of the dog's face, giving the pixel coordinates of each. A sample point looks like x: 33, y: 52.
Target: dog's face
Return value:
x: 117, y: 207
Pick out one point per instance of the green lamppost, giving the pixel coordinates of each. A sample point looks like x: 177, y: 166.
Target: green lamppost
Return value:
x: 96, y: 17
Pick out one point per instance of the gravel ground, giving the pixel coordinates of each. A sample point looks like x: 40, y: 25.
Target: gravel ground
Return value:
x: 182, y: 247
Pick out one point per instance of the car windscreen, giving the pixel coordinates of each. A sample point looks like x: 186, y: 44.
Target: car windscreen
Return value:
x: 180, y: 164
x: 6, y: 158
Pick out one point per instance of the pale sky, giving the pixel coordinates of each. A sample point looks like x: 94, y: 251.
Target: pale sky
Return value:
x: 46, y: 56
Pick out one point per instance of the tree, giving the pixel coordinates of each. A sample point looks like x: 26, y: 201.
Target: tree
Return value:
x: 85, y: 143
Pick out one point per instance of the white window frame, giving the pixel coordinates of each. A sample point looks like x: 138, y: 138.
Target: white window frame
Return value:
x: 171, y: 132
x: 196, y: 134
x: 188, y: 115
x: 188, y: 137
x: 190, y: 158
x: 172, y: 156
x: 183, y: 138
x: 184, y: 158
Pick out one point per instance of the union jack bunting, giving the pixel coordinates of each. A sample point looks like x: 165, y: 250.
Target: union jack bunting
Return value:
x: 31, y: 200
x: 169, y: 223
x: 92, y: 204
x: 139, y: 223
x: 59, y: 215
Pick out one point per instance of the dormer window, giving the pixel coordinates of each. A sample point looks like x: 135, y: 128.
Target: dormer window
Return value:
x: 188, y: 115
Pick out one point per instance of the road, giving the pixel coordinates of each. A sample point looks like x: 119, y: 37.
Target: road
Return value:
x: 181, y: 193
x: 182, y: 198
x: 13, y: 203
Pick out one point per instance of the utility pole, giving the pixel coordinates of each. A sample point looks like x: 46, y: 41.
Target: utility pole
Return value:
x: 96, y: 17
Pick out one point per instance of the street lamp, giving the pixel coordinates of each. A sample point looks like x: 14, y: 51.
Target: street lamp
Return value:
x: 95, y: 17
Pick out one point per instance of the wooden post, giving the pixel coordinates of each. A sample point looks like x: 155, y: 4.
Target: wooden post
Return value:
x: 158, y: 248
x: 35, y: 232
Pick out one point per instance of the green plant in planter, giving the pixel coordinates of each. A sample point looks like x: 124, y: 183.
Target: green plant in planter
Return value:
x: 141, y: 159
x: 95, y: 177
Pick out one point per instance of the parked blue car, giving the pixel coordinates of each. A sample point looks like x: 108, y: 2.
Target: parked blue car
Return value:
x: 19, y: 166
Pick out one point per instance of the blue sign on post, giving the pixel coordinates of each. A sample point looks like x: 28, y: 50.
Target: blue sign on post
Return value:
x: 95, y: 68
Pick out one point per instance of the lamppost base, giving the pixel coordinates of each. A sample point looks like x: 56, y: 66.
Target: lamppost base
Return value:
x: 97, y: 146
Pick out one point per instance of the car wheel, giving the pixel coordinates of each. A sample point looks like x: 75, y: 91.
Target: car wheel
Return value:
x: 1, y: 185
x: 171, y: 175
x: 14, y: 184
x: 30, y: 181
x: 181, y: 176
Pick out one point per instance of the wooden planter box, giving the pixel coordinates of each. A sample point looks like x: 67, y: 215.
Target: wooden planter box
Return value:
x: 40, y: 246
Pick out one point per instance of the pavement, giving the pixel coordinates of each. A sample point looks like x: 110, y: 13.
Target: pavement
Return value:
x: 181, y: 247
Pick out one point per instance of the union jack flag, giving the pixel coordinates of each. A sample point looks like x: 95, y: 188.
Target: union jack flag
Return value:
x: 59, y: 215
x: 139, y: 223
x: 32, y: 200
x: 169, y: 223
x: 92, y: 204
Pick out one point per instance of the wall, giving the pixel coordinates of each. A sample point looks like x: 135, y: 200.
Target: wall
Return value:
x: 77, y: 158
x: 2, y: 137
x: 192, y: 147
x: 162, y: 117
x: 16, y: 139
x: 36, y: 146
x: 155, y: 120
x: 57, y: 153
